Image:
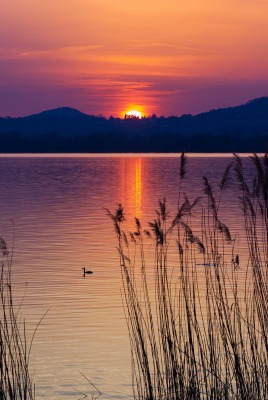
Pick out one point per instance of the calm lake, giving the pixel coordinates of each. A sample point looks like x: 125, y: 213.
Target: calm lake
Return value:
x: 53, y: 207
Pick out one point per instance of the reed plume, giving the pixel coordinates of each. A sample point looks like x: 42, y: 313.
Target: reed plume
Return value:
x: 198, y: 323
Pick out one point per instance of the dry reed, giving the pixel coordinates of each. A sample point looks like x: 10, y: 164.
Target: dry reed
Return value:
x: 201, y: 331
x: 16, y: 382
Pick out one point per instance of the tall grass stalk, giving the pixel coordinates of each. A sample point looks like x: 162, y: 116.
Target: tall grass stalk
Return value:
x: 201, y: 331
x: 15, y: 378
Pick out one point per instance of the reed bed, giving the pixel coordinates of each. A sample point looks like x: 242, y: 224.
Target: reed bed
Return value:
x: 16, y: 382
x: 200, y: 330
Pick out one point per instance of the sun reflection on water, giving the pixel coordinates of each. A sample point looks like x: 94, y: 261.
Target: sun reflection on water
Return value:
x: 132, y: 184
x: 138, y: 187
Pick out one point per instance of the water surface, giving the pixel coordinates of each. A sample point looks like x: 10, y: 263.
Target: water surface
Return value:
x: 53, y: 207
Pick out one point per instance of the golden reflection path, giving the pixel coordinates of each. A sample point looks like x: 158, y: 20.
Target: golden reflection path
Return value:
x: 131, y: 179
x: 138, y: 187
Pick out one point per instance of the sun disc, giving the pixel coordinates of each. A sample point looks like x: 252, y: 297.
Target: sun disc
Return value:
x: 133, y: 113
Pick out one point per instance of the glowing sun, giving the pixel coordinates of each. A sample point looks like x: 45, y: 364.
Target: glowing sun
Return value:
x: 133, y: 113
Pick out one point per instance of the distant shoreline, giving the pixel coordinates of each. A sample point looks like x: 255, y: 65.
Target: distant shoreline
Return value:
x: 241, y: 129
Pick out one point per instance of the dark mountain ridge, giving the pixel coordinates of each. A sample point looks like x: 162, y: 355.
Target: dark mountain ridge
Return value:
x: 248, y: 119
x: 61, y: 112
x: 240, y: 128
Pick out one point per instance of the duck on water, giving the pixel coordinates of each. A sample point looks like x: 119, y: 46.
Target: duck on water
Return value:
x: 87, y: 272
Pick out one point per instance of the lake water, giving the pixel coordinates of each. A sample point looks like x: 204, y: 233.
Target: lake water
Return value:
x: 54, y: 209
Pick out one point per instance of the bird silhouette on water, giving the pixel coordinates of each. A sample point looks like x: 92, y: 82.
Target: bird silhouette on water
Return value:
x: 87, y: 272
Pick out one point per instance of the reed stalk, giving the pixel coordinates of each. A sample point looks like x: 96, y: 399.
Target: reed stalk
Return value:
x: 16, y: 382
x: 200, y: 330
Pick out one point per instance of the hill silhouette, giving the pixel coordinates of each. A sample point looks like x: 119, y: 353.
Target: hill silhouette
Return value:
x: 62, y: 112
x: 65, y: 129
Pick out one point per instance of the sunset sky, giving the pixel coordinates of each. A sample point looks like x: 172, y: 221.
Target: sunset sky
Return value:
x: 108, y: 56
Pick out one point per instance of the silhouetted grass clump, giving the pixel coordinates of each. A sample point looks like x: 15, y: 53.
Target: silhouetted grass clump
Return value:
x: 200, y: 331
x: 16, y: 382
